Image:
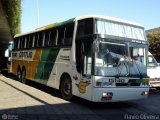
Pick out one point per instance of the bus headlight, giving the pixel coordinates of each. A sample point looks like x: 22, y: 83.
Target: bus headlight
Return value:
x: 106, y: 96
x: 144, y: 93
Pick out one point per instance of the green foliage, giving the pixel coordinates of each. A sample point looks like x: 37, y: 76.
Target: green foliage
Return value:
x: 154, y: 43
x: 13, y: 14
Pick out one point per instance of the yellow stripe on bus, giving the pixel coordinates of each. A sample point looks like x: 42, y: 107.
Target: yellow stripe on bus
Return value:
x: 30, y: 65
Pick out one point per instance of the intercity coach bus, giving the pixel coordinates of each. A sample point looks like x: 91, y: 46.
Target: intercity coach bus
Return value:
x: 93, y: 57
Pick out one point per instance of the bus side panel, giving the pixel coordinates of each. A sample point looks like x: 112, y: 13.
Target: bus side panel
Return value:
x: 29, y: 62
x: 62, y: 65
x: 46, y: 64
x: 14, y: 67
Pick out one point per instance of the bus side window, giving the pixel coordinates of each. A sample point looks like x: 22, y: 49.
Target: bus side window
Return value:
x: 30, y: 41
x: 25, y: 41
x: 22, y: 42
x: 16, y: 43
x: 40, y: 40
x: 20, y: 46
x: 36, y: 37
x: 61, y: 36
x: 69, y: 34
x: 46, y: 38
x: 52, y: 38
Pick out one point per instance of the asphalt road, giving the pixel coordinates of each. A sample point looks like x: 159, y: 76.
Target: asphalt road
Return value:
x: 148, y: 109
x: 145, y: 109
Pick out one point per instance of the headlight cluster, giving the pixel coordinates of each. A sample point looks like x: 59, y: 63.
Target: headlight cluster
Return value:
x: 144, y: 93
x: 106, y: 96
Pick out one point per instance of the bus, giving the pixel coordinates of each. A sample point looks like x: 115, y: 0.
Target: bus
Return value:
x: 93, y: 57
x: 153, y: 69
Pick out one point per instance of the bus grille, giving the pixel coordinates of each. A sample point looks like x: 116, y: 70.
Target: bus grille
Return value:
x: 127, y: 84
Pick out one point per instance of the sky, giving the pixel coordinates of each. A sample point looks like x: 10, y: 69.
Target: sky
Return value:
x: 37, y: 13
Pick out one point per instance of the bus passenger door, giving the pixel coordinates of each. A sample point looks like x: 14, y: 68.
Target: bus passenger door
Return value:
x: 84, y: 68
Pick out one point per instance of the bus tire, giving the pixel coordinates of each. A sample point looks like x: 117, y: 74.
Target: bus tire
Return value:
x: 66, y: 88
x: 19, y: 74
x: 23, y: 78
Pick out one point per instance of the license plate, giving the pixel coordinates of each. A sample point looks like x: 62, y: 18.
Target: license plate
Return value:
x: 117, y: 80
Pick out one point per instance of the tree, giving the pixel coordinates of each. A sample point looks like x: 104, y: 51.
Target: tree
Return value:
x: 154, y: 43
x: 12, y: 9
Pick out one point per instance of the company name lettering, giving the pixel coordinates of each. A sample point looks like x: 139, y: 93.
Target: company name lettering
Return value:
x: 26, y: 54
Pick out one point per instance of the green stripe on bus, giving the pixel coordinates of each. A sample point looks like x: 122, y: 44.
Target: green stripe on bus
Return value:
x: 64, y: 22
x: 46, y: 63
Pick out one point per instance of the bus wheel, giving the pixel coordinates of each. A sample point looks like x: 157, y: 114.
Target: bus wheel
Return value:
x: 19, y: 75
x: 23, y: 76
x: 66, y: 88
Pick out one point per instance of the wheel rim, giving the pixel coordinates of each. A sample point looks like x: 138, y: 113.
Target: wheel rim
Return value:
x: 66, y: 88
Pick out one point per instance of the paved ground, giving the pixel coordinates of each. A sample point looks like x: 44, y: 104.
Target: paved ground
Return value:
x: 26, y: 102
x: 37, y: 102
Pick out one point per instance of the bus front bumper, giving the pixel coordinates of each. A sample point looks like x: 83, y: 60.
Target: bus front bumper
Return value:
x: 119, y: 94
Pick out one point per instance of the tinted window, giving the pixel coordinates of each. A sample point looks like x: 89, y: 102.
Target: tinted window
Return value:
x: 47, y: 36
x: 85, y: 27
x: 16, y: 43
x: 61, y: 36
x: 40, y: 40
x: 69, y: 34
x: 52, y: 38
x: 36, y: 37
x: 30, y: 41
x: 25, y: 41
x: 22, y: 39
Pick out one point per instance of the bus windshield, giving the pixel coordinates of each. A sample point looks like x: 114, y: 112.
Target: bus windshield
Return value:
x: 113, y: 59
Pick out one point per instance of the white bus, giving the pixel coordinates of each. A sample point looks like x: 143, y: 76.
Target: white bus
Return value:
x: 92, y: 57
x: 153, y: 71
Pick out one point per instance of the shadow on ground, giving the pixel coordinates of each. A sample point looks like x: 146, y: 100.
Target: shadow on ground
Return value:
x: 77, y: 109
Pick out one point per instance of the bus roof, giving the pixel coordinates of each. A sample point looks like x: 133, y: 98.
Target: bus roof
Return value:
x: 56, y: 24
x: 118, y: 20
x: 61, y: 23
